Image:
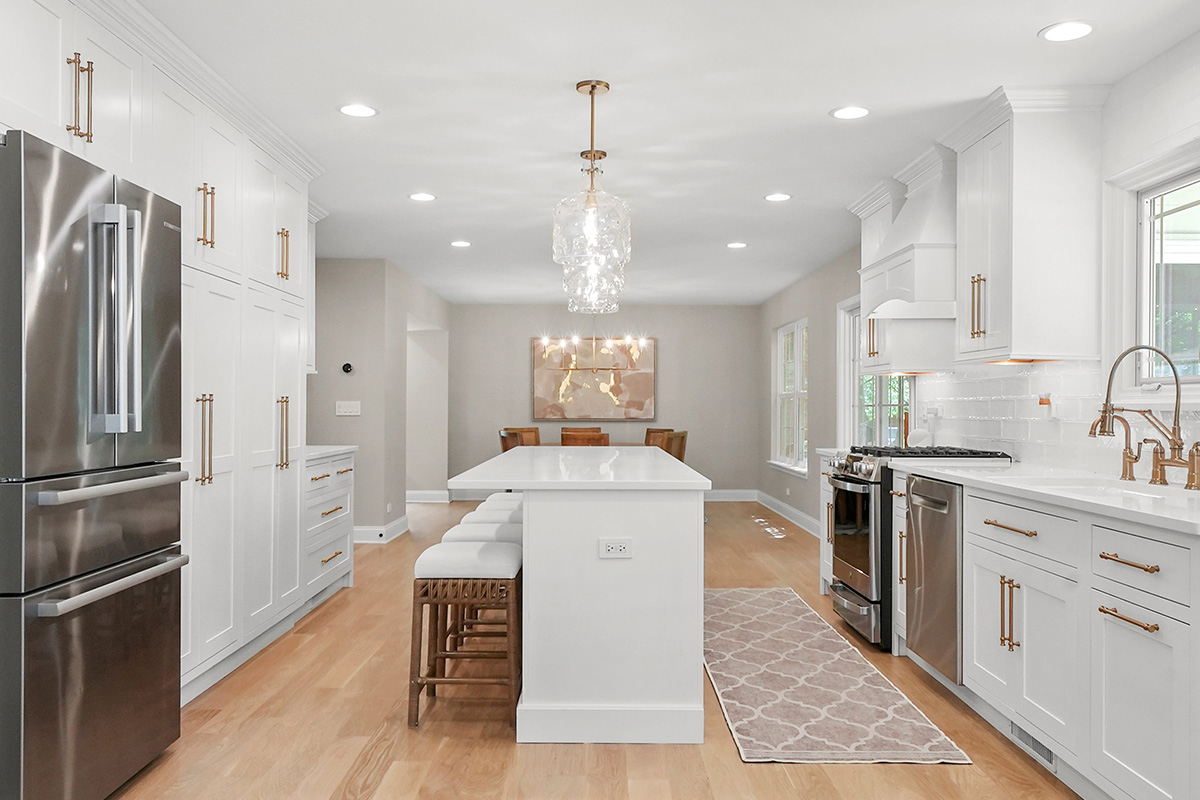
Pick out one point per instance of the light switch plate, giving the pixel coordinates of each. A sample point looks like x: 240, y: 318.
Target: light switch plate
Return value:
x: 347, y: 408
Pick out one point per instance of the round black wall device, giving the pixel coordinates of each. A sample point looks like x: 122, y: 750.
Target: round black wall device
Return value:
x: 347, y: 368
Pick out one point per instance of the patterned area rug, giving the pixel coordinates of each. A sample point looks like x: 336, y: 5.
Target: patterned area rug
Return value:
x: 792, y: 689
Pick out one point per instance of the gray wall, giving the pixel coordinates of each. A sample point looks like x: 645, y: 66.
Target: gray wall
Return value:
x: 364, y: 310
x: 428, y: 411
x: 816, y: 297
x: 710, y: 380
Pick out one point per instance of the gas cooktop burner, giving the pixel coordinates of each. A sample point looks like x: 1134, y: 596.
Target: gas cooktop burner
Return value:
x: 926, y: 452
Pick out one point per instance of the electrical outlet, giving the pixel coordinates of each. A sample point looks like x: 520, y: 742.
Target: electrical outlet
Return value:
x: 787, y: 490
x: 389, y: 508
x: 616, y: 548
x: 347, y: 408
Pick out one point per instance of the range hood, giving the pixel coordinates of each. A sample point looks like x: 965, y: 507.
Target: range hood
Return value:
x: 912, y: 273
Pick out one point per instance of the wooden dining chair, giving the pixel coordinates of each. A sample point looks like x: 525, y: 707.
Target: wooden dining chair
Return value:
x: 573, y: 430
x: 654, y: 436
x: 675, y: 443
x: 584, y: 438
x: 528, y: 436
x: 509, y: 440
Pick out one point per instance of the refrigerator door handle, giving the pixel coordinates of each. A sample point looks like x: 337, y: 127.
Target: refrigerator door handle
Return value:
x: 131, y: 320
x: 65, y: 496
x: 114, y: 416
x: 58, y: 608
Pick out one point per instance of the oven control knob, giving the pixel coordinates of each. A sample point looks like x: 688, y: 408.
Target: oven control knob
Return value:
x: 838, y: 464
x: 862, y: 469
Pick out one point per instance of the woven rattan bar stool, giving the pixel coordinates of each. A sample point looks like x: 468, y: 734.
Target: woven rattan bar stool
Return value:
x: 448, y: 577
x: 485, y: 532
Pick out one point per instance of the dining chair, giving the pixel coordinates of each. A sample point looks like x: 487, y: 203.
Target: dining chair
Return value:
x: 529, y: 436
x: 675, y: 443
x: 584, y: 438
x: 573, y: 430
x: 654, y: 436
x: 509, y: 440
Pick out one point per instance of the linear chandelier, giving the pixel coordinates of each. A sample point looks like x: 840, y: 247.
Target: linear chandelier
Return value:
x: 591, y: 233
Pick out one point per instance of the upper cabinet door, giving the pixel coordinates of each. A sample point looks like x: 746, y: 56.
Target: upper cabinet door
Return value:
x: 260, y: 237
x: 218, y: 187
x: 110, y: 100
x: 176, y: 118
x: 291, y: 217
x: 34, y: 47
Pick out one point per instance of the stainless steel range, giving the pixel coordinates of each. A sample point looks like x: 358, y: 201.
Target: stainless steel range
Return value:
x: 861, y: 526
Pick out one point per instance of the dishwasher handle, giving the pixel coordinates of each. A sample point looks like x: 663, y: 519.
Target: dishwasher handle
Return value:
x: 58, y: 608
x: 932, y: 503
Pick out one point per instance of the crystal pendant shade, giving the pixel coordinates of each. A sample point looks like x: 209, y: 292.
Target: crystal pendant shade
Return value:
x: 592, y: 243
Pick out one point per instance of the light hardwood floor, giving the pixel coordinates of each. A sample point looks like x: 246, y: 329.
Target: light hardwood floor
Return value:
x: 321, y: 713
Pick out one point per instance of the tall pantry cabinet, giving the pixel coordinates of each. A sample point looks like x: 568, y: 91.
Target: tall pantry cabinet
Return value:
x: 138, y: 102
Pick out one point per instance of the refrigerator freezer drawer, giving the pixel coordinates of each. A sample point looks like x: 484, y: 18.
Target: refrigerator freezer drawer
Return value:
x: 96, y: 696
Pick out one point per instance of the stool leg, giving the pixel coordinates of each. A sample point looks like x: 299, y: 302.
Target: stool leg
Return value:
x: 431, y: 657
x: 414, y: 669
x: 443, y: 626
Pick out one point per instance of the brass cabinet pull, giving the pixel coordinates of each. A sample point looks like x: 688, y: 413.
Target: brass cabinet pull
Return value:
x: 1011, y: 613
x: 1151, y: 568
x: 279, y: 451
x: 974, y: 331
x: 203, y: 401
x: 212, y: 213
x: 203, y: 237
x: 320, y: 477
x: 902, y: 538
x: 982, y: 330
x: 1003, y: 638
x: 344, y: 471
x: 90, y: 72
x: 1112, y: 612
x: 287, y: 432
x: 331, y: 558
x: 210, y: 437
x: 1001, y: 525
x: 74, y: 128
x: 894, y: 493
x: 282, y: 271
x: 330, y: 511
x: 829, y: 522
x: 829, y: 474
x: 287, y: 255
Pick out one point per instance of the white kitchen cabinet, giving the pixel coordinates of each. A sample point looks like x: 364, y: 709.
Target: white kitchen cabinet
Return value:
x: 273, y: 411
x: 36, y: 39
x: 210, y: 338
x: 276, y: 225
x: 1142, y: 736
x: 1024, y: 649
x: 328, y: 520
x: 111, y: 112
x: 826, y: 525
x: 899, y: 497
x: 892, y: 346
x: 310, y: 280
x: 1028, y: 226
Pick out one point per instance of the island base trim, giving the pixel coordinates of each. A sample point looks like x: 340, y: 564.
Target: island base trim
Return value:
x: 610, y: 724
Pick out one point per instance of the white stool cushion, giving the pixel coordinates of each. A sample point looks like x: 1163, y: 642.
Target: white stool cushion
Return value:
x: 484, y: 532
x: 514, y: 515
x: 512, y: 496
x: 500, y: 502
x: 469, y: 560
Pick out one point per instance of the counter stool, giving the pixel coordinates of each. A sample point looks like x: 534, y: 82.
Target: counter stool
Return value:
x: 485, y: 532
x: 447, y: 577
x: 508, y: 497
x: 510, y: 515
x: 499, y: 503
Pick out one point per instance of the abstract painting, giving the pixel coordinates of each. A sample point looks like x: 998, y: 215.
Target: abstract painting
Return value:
x: 594, y: 379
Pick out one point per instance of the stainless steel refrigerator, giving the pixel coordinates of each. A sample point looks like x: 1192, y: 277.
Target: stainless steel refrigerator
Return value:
x: 89, y: 500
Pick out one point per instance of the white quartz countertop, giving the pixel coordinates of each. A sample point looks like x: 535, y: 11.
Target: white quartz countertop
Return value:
x: 1170, y: 507
x: 325, y: 450
x: 602, y: 468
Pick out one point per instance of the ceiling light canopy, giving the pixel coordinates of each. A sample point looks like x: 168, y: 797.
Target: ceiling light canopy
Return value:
x: 736, y: 245
x: 460, y: 243
x: 778, y: 197
x: 1065, y: 31
x: 422, y: 197
x: 591, y: 233
x: 358, y: 110
x: 849, y: 112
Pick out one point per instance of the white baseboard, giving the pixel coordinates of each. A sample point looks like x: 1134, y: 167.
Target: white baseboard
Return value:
x: 374, y: 534
x: 731, y: 495
x: 427, y: 496
x: 810, y: 524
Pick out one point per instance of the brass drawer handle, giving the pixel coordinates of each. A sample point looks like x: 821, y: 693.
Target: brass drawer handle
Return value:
x: 344, y: 471
x: 1021, y: 531
x: 829, y: 522
x: 902, y: 537
x: 1112, y: 612
x: 1151, y: 568
x: 330, y: 511
x: 319, y: 477
x: 830, y: 474
x: 894, y: 493
x: 331, y: 558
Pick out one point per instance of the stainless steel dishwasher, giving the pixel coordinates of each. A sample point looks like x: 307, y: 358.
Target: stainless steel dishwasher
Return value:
x: 933, y: 554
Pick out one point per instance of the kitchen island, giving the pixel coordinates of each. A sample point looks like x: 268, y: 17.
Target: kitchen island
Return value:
x: 613, y: 584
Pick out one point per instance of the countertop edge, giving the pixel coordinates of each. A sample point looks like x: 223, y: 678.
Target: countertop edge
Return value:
x: 315, y: 451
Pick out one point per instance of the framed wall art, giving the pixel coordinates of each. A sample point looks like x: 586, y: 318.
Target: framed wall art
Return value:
x: 593, y: 379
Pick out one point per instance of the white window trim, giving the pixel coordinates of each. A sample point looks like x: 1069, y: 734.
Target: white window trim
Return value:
x: 799, y: 468
x: 1122, y: 213
x: 846, y: 388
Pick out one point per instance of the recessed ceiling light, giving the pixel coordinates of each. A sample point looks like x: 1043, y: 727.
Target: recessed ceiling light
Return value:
x: 849, y: 112
x: 358, y: 110
x: 1065, y: 31
x: 422, y: 197
x: 778, y: 197
x: 736, y: 245
x: 460, y: 243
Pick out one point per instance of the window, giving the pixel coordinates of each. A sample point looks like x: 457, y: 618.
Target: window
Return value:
x: 879, y: 404
x: 1169, y: 279
x: 791, y: 396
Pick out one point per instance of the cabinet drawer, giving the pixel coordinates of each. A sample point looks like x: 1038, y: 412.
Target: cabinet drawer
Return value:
x: 899, y: 493
x: 328, y: 473
x: 1055, y: 538
x: 1156, y: 567
x: 324, y: 509
x: 328, y: 559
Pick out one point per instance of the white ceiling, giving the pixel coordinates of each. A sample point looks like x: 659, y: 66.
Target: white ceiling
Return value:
x: 713, y: 105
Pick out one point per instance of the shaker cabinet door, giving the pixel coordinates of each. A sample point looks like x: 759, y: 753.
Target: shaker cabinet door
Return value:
x: 36, y: 40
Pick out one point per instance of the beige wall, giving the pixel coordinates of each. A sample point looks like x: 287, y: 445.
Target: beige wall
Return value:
x: 814, y: 297
x: 709, y: 381
x: 364, y: 310
x: 428, y: 412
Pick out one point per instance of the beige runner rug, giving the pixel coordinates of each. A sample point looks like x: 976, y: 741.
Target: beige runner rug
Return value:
x: 792, y: 689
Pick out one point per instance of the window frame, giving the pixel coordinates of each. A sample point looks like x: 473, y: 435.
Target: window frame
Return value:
x: 798, y: 464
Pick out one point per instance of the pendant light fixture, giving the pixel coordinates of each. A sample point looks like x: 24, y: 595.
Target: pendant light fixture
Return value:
x: 591, y: 233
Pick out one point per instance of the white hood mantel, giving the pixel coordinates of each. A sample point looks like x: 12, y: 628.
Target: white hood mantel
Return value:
x: 912, y: 275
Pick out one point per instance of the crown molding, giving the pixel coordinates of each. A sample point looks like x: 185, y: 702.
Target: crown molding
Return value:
x: 927, y: 167
x: 139, y: 28
x: 886, y: 191
x: 1000, y: 105
x: 316, y: 213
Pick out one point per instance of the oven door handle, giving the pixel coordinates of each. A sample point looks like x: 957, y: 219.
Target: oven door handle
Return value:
x: 847, y: 486
x: 58, y: 608
x: 852, y: 608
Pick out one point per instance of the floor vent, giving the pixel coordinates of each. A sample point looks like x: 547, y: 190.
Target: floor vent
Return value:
x: 1034, y: 747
